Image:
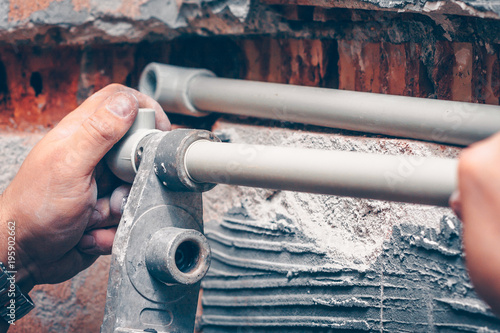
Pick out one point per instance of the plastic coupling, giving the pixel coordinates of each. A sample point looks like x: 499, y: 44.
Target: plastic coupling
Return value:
x: 169, y: 86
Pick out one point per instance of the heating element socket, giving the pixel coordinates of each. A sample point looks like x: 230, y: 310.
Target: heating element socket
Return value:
x: 178, y: 256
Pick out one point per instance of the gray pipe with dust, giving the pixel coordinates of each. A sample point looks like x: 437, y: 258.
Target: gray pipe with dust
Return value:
x: 197, y: 92
x: 412, y: 179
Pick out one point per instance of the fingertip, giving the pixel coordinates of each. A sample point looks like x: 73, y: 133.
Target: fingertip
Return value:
x: 100, y: 214
x: 456, y: 204
x: 123, y: 104
x: 87, y: 242
x: 161, y: 119
x: 162, y: 122
x: 97, y: 242
x: 119, y: 199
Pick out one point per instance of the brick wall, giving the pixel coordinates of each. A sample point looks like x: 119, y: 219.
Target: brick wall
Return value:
x: 38, y: 86
x: 43, y: 79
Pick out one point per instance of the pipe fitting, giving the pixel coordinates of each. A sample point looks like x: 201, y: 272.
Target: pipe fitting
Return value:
x: 178, y: 256
x: 169, y: 85
x: 122, y: 159
x: 197, y: 92
x: 170, y: 165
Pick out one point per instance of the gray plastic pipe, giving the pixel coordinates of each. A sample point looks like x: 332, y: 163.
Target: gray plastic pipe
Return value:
x: 197, y: 91
x: 395, y: 178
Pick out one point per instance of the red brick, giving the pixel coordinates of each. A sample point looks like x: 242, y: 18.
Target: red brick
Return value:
x: 461, y: 87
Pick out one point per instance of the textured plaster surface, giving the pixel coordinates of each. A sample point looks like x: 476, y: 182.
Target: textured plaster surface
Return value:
x: 296, y: 262
x: 14, y: 148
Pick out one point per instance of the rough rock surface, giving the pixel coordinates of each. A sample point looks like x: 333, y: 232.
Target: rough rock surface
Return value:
x: 84, y: 21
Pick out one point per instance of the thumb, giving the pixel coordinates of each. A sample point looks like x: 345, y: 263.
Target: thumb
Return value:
x: 99, y: 132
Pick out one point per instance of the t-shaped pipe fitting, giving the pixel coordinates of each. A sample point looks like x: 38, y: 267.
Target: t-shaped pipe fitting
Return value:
x: 122, y: 159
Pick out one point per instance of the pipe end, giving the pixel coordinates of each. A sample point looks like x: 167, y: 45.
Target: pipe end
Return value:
x: 169, y: 86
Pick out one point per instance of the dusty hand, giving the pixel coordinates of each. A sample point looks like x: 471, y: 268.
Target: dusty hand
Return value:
x: 61, y: 199
x: 478, y: 205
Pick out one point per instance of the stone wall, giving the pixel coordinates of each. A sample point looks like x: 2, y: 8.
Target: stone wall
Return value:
x: 84, y: 21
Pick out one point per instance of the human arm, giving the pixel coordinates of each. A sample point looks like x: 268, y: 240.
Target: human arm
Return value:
x: 62, y: 200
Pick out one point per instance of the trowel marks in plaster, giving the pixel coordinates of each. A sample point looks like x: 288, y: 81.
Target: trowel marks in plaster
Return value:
x: 268, y: 276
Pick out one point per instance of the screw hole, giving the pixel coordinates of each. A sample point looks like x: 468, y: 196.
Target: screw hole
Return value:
x: 138, y: 157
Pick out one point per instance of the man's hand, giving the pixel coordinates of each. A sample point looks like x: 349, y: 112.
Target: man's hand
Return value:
x: 478, y: 205
x: 62, y: 200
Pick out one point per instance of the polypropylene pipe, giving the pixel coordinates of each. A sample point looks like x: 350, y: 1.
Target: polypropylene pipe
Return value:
x: 395, y: 178
x: 197, y: 91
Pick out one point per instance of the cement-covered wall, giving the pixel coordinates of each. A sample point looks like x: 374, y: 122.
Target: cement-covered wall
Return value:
x: 298, y: 262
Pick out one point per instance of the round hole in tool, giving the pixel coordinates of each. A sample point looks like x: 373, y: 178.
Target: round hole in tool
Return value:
x: 186, y: 256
